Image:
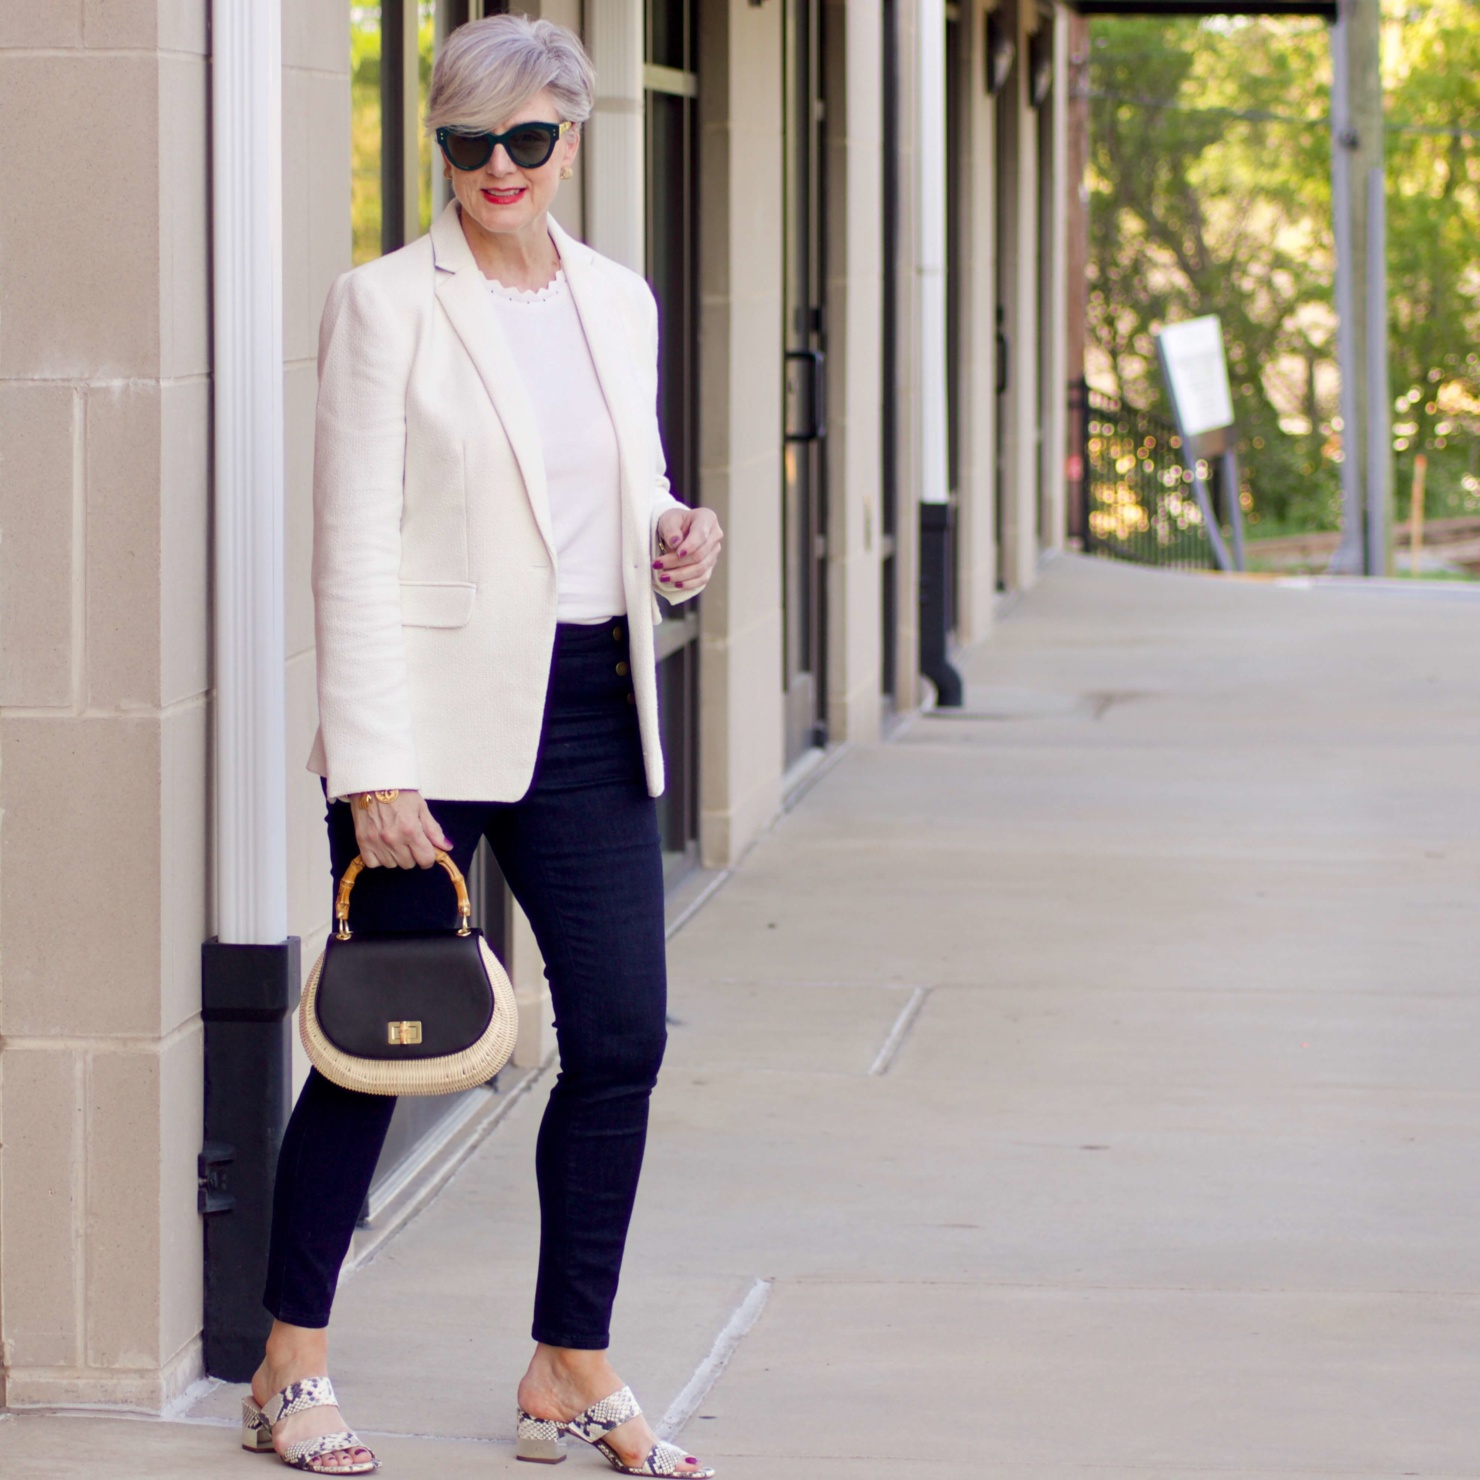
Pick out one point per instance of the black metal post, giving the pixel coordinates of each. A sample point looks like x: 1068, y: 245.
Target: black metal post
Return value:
x: 935, y: 602
x: 1079, y: 400
x: 248, y: 994
x: 393, y: 103
x: 1233, y: 506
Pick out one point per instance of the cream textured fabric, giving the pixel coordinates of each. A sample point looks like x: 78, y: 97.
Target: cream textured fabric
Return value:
x: 435, y: 581
x: 577, y: 442
x: 446, y: 1075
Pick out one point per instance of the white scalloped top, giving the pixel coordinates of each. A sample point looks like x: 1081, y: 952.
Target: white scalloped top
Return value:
x: 547, y: 344
x: 553, y: 289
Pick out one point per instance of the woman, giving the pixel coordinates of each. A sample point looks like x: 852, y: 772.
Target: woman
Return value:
x: 492, y: 521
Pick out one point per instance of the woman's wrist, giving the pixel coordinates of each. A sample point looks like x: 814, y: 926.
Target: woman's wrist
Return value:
x: 363, y: 799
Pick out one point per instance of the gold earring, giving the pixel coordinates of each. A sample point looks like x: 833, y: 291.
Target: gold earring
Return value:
x: 566, y: 172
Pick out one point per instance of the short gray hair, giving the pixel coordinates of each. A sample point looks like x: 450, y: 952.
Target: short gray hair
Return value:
x: 488, y: 69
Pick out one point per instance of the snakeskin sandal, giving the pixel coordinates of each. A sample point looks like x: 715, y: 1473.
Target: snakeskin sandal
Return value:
x: 306, y: 1454
x: 539, y: 1439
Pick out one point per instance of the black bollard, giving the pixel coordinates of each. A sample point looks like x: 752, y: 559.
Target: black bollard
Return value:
x: 248, y: 994
x: 935, y: 617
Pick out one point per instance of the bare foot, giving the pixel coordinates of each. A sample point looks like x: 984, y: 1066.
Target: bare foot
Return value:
x: 562, y: 1383
x: 293, y: 1353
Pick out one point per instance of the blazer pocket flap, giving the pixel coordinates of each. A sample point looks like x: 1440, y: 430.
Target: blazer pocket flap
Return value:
x: 437, y: 603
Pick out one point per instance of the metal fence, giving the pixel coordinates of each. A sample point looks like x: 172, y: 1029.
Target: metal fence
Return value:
x: 1133, y: 499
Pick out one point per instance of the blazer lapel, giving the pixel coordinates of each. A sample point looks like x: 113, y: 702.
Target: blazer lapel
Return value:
x: 602, y: 321
x: 462, y: 291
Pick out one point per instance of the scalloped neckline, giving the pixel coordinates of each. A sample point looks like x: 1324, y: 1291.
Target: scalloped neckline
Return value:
x: 553, y: 289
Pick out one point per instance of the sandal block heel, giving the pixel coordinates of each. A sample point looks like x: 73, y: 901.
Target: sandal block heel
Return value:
x: 539, y: 1440
x: 256, y: 1431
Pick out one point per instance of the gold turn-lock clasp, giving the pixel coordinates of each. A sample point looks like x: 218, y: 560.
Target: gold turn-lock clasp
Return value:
x: 403, y: 1033
x: 357, y: 865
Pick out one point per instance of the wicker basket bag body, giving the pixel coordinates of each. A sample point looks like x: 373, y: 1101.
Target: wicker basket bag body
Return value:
x: 423, y: 1013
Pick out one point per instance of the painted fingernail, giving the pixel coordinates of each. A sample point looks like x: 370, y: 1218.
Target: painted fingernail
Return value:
x: 679, y: 584
x: 657, y: 565
x: 665, y: 578
x: 684, y: 551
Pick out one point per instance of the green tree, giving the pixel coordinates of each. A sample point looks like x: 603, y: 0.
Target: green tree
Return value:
x: 1210, y: 193
x: 1206, y: 198
x: 1433, y: 170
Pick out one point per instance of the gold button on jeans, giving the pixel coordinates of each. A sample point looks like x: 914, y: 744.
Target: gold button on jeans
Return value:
x: 632, y: 698
x: 616, y: 634
x: 622, y: 670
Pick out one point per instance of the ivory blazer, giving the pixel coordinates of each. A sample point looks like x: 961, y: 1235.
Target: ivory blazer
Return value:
x: 434, y: 566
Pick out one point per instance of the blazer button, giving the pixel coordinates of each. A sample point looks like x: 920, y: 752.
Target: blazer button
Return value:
x: 632, y: 698
x: 623, y: 670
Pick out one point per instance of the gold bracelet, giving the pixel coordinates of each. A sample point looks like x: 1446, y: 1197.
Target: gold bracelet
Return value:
x: 366, y: 797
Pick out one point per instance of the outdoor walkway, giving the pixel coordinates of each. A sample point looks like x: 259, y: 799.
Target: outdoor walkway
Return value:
x: 1089, y: 1077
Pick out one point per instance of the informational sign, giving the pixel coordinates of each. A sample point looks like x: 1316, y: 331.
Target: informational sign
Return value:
x: 1197, y: 374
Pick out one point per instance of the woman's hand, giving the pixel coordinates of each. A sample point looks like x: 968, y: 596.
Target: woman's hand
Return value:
x: 397, y: 834
x: 691, y: 540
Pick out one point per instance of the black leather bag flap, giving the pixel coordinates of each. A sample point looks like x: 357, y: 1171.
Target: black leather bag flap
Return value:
x: 373, y: 987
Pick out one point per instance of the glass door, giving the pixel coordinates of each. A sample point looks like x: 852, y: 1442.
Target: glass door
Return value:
x: 889, y: 342
x: 671, y: 88
x: 1040, y: 96
x: 1002, y: 54
x: 803, y: 501
x: 955, y: 299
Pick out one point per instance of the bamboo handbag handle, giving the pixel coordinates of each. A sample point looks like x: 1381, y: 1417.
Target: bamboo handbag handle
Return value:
x: 357, y: 865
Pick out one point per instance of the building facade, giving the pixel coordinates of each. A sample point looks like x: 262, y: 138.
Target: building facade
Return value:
x: 856, y: 218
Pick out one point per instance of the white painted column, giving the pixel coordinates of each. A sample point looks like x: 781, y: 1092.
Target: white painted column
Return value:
x: 246, y: 111
x: 614, y: 146
x: 930, y: 340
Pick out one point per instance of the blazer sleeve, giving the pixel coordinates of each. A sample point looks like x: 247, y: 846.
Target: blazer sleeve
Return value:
x: 663, y: 498
x: 365, y: 351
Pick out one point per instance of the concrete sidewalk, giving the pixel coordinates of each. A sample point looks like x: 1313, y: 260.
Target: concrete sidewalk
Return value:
x: 1088, y: 1078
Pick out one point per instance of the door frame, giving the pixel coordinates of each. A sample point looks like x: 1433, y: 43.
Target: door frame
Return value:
x: 804, y: 510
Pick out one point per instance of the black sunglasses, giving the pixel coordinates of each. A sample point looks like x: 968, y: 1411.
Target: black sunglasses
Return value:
x: 529, y: 145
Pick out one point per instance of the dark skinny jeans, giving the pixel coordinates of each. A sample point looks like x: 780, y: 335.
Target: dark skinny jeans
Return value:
x: 581, y: 854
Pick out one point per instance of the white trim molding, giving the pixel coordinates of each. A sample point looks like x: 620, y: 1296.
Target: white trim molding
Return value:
x: 251, y: 795
x: 930, y: 97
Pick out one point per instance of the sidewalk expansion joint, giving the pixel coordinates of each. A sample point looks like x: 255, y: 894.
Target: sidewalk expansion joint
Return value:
x: 899, y: 1032
x: 709, y: 1371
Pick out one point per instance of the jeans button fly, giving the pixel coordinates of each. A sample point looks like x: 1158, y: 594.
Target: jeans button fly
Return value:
x: 622, y: 670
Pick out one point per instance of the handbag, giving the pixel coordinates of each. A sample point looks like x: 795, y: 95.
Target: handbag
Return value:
x: 420, y: 1013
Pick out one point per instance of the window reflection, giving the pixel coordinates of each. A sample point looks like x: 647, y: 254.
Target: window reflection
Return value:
x: 390, y: 203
